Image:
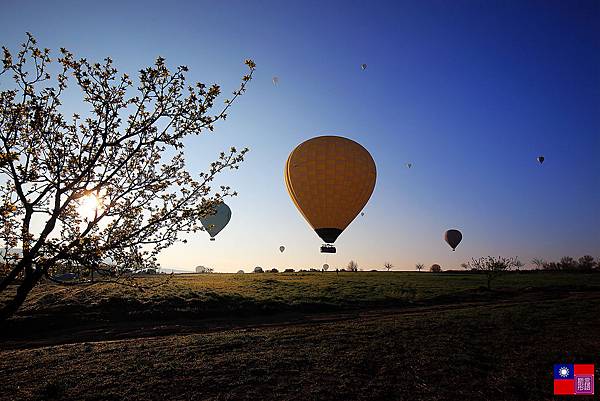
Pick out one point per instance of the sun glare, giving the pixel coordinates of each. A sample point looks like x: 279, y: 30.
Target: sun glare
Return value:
x: 88, y: 205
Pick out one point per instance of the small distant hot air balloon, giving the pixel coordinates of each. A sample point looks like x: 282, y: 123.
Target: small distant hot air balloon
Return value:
x: 362, y: 213
x: 453, y: 238
x: 363, y: 67
x: 330, y: 180
x: 281, y: 248
x: 214, y: 223
x: 275, y: 81
x: 409, y: 165
x: 540, y: 159
x: 325, y: 266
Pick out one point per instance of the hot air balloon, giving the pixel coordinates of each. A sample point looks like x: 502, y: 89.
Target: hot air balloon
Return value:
x: 363, y: 67
x: 540, y: 159
x: 330, y: 179
x: 214, y: 223
x: 409, y: 165
x: 325, y: 266
x: 281, y: 248
x: 453, y: 238
x: 362, y: 213
x: 275, y: 80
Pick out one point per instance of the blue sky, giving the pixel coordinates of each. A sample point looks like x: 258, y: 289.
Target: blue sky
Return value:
x: 470, y: 92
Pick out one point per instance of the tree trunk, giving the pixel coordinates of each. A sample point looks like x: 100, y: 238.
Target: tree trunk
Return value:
x: 10, y: 278
x: 26, y: 286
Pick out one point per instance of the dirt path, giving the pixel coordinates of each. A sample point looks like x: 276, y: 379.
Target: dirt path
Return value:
x: 113, y: 331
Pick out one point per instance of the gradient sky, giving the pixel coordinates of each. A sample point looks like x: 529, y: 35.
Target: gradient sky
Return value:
x: 470, y: 92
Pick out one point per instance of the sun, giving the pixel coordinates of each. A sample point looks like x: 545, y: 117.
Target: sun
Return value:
x: 88, y: 206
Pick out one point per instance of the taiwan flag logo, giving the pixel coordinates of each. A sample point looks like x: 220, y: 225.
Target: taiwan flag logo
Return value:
x: 574, y: 379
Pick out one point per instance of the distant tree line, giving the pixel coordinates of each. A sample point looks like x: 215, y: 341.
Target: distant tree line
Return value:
x: 489, y: 264
x: 585, y: 263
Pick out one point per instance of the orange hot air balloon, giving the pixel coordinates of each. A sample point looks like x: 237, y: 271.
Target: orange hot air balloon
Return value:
x: 330, y: 179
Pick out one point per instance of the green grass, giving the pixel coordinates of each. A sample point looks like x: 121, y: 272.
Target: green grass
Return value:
x: 498, y: 351
x: 210, y: 294
x: 376, y: 336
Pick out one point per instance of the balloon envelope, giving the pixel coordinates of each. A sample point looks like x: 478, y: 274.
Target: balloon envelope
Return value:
x: 214, y: 223
x: 540, y: 159
x: 325, y: 266
x: 281, y: 248
x: 275, y: 80
x: 453, y: 238
x: 330, y: 180
x: 363, y: 67
x: 409, y: 165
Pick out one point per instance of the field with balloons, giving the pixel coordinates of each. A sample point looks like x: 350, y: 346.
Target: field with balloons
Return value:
x: 299, y: 200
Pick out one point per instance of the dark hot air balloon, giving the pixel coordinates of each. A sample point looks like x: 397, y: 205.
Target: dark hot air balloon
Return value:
x: 540, y: 159
x: 453, y: 238
x: 214, y: 223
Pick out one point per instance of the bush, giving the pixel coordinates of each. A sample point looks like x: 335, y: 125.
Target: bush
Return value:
x: 491, y: 266
x: 567, y: 263
x: 586, y: 263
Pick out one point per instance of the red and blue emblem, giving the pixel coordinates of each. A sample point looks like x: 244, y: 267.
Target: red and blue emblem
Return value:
x: 573, y: 379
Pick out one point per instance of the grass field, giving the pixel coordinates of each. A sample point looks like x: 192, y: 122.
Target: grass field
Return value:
x: 217, y: 294
x: 313, y: 336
